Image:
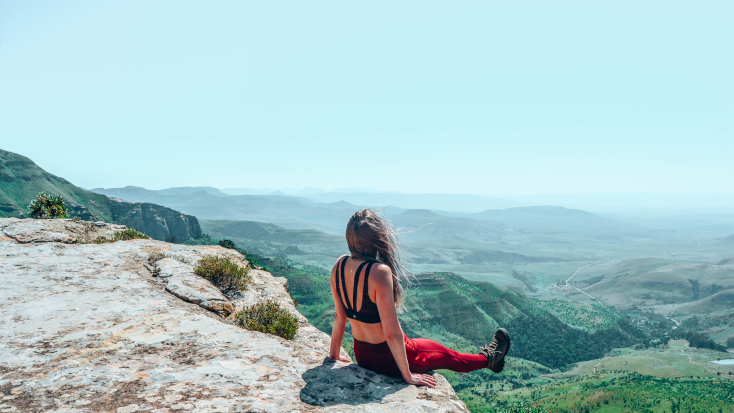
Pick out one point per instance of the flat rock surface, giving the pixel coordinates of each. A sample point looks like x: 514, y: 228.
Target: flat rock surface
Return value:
x: 88, y: 328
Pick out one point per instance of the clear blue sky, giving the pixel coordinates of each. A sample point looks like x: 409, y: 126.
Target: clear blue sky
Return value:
x: 480, y: 97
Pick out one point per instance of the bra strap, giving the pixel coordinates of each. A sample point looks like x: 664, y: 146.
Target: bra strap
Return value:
x: 343, y: 294
x: 366, y: 291
x: 356, y: 283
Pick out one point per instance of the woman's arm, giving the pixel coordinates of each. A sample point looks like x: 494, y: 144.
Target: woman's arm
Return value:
x: 340, y: 323
x: 382, y: 281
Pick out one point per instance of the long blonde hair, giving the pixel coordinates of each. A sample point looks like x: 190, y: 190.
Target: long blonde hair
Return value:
x: 371, y: 238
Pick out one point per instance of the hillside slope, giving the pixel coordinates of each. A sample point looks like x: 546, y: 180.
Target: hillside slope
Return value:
x: 21, y: 180
x: 654, y: 281
x: 272, y: 240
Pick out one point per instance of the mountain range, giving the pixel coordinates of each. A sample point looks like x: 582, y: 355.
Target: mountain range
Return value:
x: 21, y: 180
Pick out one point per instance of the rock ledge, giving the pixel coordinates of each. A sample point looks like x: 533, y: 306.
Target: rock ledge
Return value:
x: 90, y: 328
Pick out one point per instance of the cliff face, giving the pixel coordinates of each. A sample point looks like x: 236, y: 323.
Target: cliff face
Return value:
x: 21, y: 180
x: 159, y: 222
x: 117, y: 327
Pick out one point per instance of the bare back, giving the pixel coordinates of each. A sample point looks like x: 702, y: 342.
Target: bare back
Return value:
x: 368, y: 332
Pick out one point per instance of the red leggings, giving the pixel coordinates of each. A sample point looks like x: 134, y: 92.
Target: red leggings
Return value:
x: 423, y: 355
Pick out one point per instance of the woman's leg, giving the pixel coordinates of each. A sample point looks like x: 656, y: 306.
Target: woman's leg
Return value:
x: 425, y: 355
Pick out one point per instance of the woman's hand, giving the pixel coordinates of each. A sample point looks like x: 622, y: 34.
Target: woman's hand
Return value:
x: 421, y: 380
x: 341, y: 358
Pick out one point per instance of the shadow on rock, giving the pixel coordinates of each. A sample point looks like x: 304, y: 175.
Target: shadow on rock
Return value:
x: 327, y: 385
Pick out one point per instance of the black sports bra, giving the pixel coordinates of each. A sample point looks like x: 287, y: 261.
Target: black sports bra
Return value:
x: 368, y: 313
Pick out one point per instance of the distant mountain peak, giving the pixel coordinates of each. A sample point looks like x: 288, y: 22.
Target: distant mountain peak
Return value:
x: 419, y: 213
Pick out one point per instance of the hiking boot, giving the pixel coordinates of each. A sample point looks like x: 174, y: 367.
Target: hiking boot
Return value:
x: 496, y: 351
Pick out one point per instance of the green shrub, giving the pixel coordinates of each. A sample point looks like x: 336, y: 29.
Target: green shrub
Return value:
x: 253, y: 262
x: 268, y: 317
x: 696, y: 339
x: 730, y: 342
x: 48, y: 207
x: 226, y: 274
x: 226, y: 243
x: 204, y: 240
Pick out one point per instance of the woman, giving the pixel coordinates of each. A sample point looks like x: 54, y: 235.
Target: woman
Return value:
x: 367, y: 291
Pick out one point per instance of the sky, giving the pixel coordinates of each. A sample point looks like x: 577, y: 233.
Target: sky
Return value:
x: 455, y: 97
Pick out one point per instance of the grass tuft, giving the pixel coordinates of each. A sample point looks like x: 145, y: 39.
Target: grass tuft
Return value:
x: 126, y: 235
x: 268, y: 317
x: 129, y: 234
x: 224, y: 273
x: 179, y: 258
x: 155, y: 256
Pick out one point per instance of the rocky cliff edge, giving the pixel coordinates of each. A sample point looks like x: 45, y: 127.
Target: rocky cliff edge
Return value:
x: 126, y: 327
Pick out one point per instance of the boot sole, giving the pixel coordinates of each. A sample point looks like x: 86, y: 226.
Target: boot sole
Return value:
x: 507, y: 337
x: 501, y: 365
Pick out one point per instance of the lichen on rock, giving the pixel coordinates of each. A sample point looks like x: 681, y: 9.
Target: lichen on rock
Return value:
x: 89, y: 327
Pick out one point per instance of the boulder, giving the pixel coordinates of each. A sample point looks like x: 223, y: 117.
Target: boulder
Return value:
x: 66, y: 231
x: 183, y: 283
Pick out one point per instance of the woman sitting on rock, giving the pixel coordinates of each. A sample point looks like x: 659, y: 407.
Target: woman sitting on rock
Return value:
x: 367, y: 291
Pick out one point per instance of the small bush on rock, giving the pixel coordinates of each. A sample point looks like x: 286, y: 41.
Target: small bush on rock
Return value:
x: 268, y: 317
x: 226, y: 274
x: 48, y: 207
x: 227, y: 243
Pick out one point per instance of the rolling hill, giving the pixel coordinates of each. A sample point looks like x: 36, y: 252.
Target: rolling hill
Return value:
x: 720, y: 303
x: 447, y: 202
x: 139, y: 194
x: 21, y: 180
x: 654, y: 281
x: 546, y: 217
x: 544, y: 224
x: 422, y: 224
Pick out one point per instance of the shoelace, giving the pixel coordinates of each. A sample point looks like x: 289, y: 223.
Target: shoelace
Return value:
x: 491, y: 349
